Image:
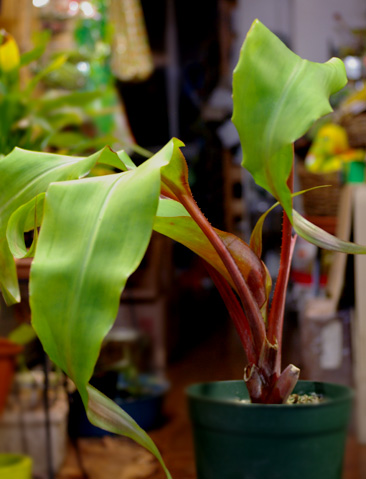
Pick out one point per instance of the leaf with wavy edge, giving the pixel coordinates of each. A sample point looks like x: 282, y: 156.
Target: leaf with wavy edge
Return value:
x: 8, y: 274
x: 277, y: 96
x: 26, y: 218
x: 93, y: 237
x: 25, y: 174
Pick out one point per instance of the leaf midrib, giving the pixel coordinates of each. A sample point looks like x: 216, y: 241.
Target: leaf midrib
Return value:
x: 270, y: 130
x: 79, y: 280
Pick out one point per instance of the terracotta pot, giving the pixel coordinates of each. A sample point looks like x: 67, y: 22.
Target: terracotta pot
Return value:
x: 8, y: 352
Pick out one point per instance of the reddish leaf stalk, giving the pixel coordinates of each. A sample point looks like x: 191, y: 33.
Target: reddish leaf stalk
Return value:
x: 276, y: 315
x: 267, y: 361
x: 250, y: 306
x: 236, y: 313
x: 263, y: 376
x: 255, y: 383
x: 284, y: 385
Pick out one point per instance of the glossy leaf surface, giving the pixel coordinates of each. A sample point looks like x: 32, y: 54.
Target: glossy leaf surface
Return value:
x: 25, y: 174
x: 94, y: 235
x: 277, y: 96
x: 26, y: 218
x: 175, y: 174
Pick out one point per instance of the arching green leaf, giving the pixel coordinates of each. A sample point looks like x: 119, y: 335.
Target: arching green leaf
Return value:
x: 104, y: 413
x: 277, y: 96
x: 93, y: 237
x: 25, y: 174
x: 24, y: 219
x: 321, y: 238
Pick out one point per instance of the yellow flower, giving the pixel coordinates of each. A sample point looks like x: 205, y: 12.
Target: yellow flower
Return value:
x: 9, y: 52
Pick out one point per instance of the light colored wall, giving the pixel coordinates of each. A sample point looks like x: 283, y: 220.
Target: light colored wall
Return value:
x: 316, y: 30
x: 308, y: 24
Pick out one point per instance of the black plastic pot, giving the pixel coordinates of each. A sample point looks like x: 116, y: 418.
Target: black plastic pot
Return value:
x: 239, y: 440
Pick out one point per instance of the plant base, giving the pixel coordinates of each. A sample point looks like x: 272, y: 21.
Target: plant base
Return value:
x: 235, y: 439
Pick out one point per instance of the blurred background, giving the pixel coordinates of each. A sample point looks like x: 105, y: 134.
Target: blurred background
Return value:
x: 133, y: 74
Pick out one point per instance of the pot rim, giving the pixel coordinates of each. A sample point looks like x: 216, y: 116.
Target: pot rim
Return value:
x: 347, y: 394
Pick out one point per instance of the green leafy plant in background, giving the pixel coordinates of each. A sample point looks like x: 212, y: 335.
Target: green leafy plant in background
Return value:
x: 94, y: 231
x: 43, y: 119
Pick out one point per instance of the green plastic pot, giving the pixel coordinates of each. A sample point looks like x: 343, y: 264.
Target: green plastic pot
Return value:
x: 15, y: 466
x: 239, y: 440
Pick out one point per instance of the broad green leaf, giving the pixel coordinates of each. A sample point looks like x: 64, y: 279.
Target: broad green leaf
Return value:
x: 321, y: 238
x: 8, y: 274
x: 25, y: 174
x: 127, y: 163
x: 105, y: 413
x: 277, y: 96
x: 26, y: 218
x: 91, y: 242
x: 93, y: 237
x: 173, y: 221
x: 175, y: 174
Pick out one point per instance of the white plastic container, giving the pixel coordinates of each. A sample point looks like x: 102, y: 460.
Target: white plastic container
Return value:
x: 24, y: 432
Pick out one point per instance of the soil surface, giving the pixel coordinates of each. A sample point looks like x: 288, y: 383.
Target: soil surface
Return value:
x: 305, y: 399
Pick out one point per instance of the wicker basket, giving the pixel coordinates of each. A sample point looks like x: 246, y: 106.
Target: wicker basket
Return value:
x: 355, y: 126
x: 323, y: 201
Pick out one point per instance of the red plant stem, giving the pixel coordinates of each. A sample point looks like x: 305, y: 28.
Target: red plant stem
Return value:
x: 255, y: 383
x: 276, y: 315
x: 236, y: 313
x: 284, y: 385
x: 268, y: 360
x: 250, y: 306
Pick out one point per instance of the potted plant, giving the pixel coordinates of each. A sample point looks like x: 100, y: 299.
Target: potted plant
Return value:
x: 36, y: 119
x: 95, y: 231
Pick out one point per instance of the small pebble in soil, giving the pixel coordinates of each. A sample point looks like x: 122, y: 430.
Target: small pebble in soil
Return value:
x: 311, y: 398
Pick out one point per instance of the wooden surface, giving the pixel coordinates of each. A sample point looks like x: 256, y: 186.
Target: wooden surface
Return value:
x: 108, y: 457
x: 218, y: 359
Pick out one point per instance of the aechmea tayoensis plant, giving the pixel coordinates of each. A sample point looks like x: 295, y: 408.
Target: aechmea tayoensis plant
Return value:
x: 94, y: 232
